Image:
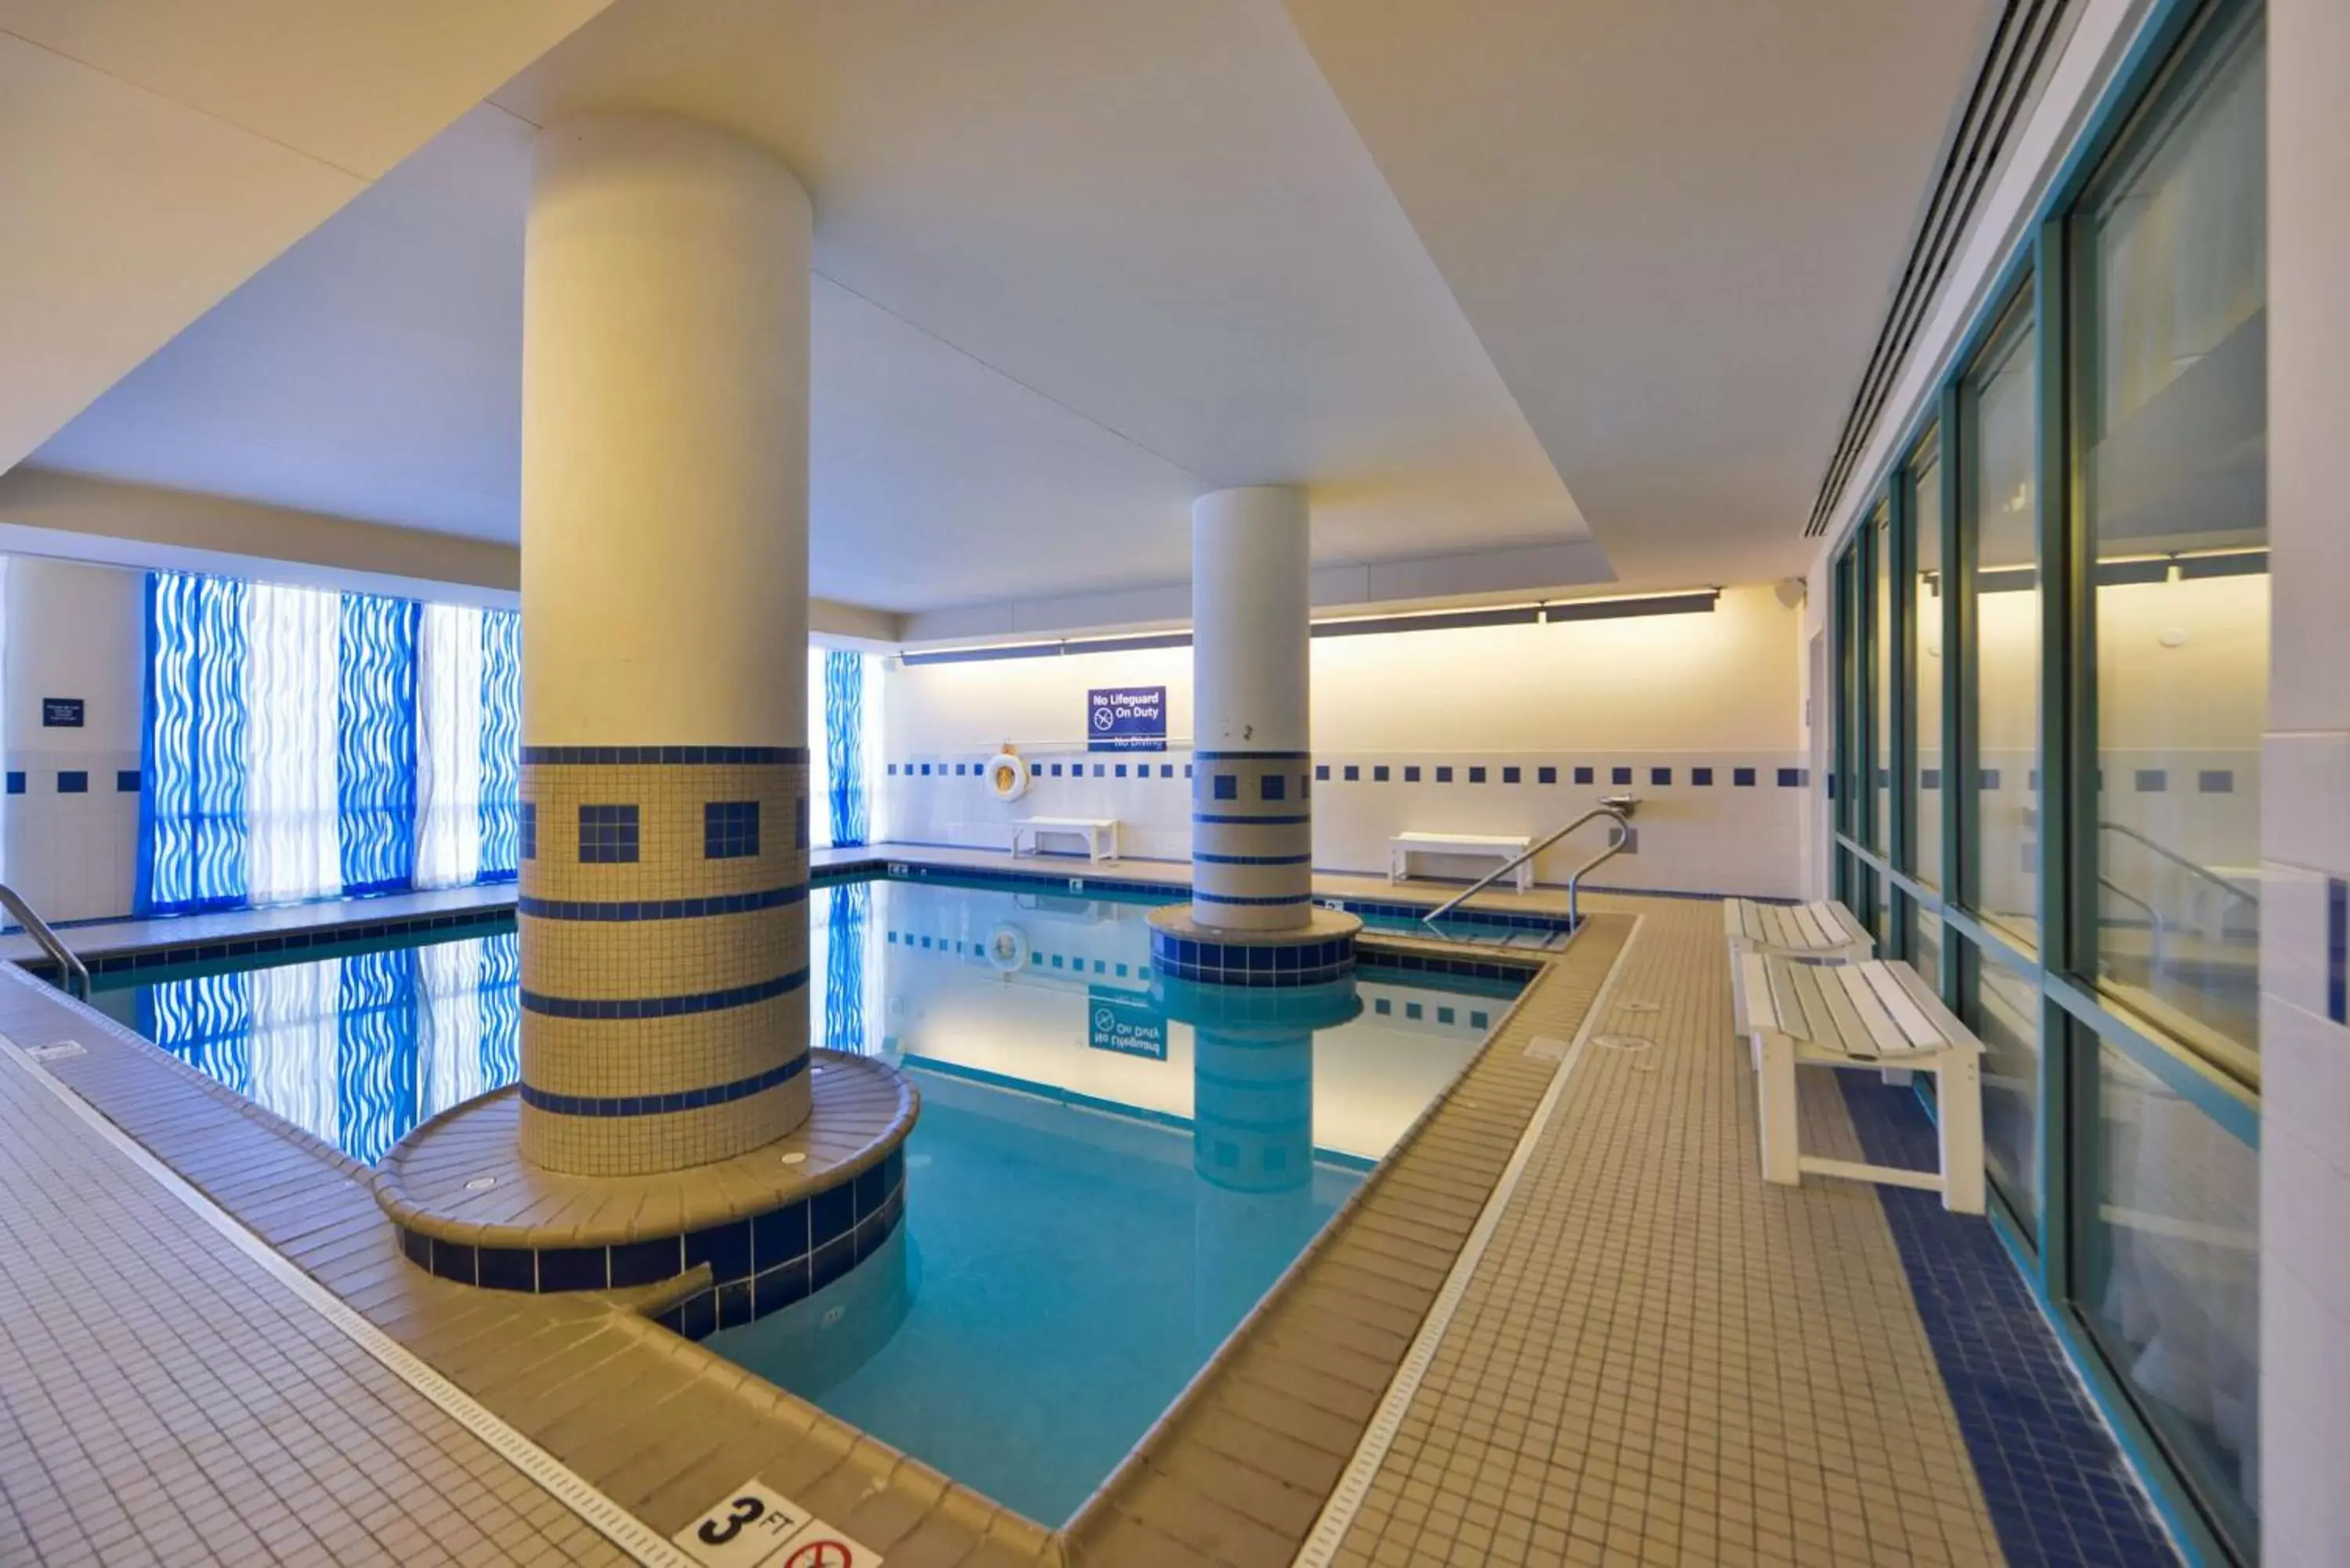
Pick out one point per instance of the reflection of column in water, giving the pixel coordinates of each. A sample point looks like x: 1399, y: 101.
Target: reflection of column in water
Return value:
x: 1253, y: 1147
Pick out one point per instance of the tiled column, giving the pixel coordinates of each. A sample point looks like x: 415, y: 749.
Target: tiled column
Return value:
x: 1252, y: 811
x: 664, y: 586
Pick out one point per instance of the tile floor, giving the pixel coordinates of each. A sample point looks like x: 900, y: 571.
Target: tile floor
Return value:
x: 1660, y: 1359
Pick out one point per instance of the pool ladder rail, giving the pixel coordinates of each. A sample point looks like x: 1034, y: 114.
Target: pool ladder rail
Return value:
x: 1617, y: 809
x: 73, y: 975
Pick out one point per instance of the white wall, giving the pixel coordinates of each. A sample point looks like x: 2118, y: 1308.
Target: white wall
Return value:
x: 1717, y: 690
x: 73, y: 630
x: 2305, y: 803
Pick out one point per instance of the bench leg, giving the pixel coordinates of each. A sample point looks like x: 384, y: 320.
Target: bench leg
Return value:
x: 1959, y: 1080
x: 1399, y: 866
x: 1781, y: 1157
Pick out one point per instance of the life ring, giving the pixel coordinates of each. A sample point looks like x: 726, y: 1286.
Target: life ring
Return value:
x: 1008, y: 775
x: 1007, y: 948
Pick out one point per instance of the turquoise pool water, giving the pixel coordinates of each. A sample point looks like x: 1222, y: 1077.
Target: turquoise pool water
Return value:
x: 1097, y: 1191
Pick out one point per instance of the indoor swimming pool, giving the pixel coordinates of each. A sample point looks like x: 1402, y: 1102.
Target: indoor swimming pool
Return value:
x: 1099, y: 1190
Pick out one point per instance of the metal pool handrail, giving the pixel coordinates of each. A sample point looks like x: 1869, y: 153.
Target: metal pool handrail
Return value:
x: 1615, y: 808
x: 72, y: 973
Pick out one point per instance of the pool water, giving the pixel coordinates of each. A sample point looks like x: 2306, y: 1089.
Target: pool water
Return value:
x: 1098, y: 1192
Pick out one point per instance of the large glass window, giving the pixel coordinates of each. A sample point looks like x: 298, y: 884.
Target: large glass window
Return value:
x: 2002, y: 523
x: 1925, y: 697
x: 2174, y: 479
x: 1880, y: 682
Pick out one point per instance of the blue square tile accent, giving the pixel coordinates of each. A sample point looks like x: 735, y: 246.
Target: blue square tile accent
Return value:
x: 2216, y: 781
x: 1790, y: 778
x: 1480, y: 1021
x: 1546, y: 775
x: 926, y: 770
x: 455, y: 1260
x: 1271, y: 786
x: 1584, y: 775
x: 832, y: 1214
x: 1414, y: 1010
x: 1990, y: 779
x: 508, y: 1268
x: 1167, y: 770
x: 126, y: 781
x: 1187, y: 770
x: 1701, y: 777
x: 1411, y: 773
x: 1225, y: 787
x: 1378, y: 773
x: 1056, y: 770
x: 528, y: 827
x: 1476, y: 775
x: 1660, y: 777
x: 777, y: 1288
x: 725, y: 1248
x: 1620, y: 775
x: 74, y: 781
x: 893, y: 770
x: 1443, y: 775
x: 608, y: 834
x: 1446, y: 1015
x: 1121, y: 770
x: 1513, y: 775
x: 1929, y: 778
x: 15, y: 782
x: 730, y: 830
x: 1322, y: 772
x: 1354, y: 772
x: 647, y: 1262
x: 1098, y: 770
x: 2150, y: 781
x: 573, y: 1269
x: 2338, y: 949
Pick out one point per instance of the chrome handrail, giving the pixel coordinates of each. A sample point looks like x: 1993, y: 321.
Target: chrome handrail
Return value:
x: 1615, y: 808
x: 2153, y: 915
x: 2176, y: 858
x: 1574, y: 879
x: 73, y: 975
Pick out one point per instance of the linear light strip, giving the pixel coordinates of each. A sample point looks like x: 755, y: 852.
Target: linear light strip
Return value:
x: 607, y: 1518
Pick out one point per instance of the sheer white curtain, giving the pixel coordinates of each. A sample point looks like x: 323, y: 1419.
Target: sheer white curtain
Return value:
x: 296, y: 1043
x: 449, y: 746
x: 291, y: 678
x: 448, y: 1026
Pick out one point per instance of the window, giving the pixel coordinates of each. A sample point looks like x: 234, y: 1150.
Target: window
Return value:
x: 1925, y: 697
x: 528, y: 826
x: 2174, y: 406
x: 2002, y: 521
x: 730, y: 830
x: 1880, y: 683
x: 608, y: 834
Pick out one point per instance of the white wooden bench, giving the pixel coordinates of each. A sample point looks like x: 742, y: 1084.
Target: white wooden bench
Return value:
x: 1873, y: 1015
x: 1497, y: 846
x: 1100, y: 833
x: 1826, y: 929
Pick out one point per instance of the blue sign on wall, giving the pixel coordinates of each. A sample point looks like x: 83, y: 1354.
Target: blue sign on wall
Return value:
x: 1125, y: 719
x: 61, y: 713
x: 1124, y: 1024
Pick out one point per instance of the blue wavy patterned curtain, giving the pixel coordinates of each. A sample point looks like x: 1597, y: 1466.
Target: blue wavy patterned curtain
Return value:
x: 844, y: 743
x: 844, y: 982
x: 501, y: 745
x: 375, y: 744
x: 193, y: 810
x: 207, y: 1021
x: 376, y: 1081
x: 501, y: 993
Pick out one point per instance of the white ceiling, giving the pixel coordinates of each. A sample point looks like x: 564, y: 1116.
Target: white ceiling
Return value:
x: 1081, y: 259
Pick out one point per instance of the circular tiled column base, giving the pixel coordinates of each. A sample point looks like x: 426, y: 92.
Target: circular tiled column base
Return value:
x: 1315, y: 954
x: 772, y: 1225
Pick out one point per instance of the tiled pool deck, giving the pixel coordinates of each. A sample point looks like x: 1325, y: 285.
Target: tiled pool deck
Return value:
x: 1656, y: 1358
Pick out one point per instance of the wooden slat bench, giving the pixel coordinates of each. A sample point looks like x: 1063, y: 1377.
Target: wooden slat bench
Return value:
x: 1865, y: 1015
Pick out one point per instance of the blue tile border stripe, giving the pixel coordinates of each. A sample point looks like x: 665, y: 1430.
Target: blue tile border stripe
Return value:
x: 1250, y: 756
x: 1222, y: 821
x: 664, y: 1105
x: 2057, y: 1488
x: 2338, y: 949
x: 1201, y: 896
x: 1252, y: 859
x: 608, y: 1008
x: 661, y: 909
x: 670, y: 756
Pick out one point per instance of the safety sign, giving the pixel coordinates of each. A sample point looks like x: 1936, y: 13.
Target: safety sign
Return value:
x: 755, y: 1526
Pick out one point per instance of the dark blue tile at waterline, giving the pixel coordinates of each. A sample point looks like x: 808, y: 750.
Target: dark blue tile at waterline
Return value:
x: 725, y: 1248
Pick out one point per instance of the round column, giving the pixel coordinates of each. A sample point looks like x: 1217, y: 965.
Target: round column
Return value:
x: 1252, y: 770
x: 663, y: 907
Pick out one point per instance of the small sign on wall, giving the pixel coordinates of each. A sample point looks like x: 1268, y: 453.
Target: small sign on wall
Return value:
x: 61, y: 713
x: 1125, y: 719
x: 1124, y: 1025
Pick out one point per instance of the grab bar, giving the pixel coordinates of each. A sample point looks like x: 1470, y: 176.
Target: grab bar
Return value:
x: 2176, y: 858
x: 1615, y: 845
x: 1615, y: 808
x: 72, y: 973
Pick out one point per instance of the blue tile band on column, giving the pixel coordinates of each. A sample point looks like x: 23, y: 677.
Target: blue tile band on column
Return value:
x: 1250, y: 756
x: 1254, y: 860
x: 664, y: 1105
x: 667, y: 757
x: 1252, y: 963
x: 1201, y: 896
x: 1221, y: 821
x: 662, y: 909
x: 662, y: 1006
